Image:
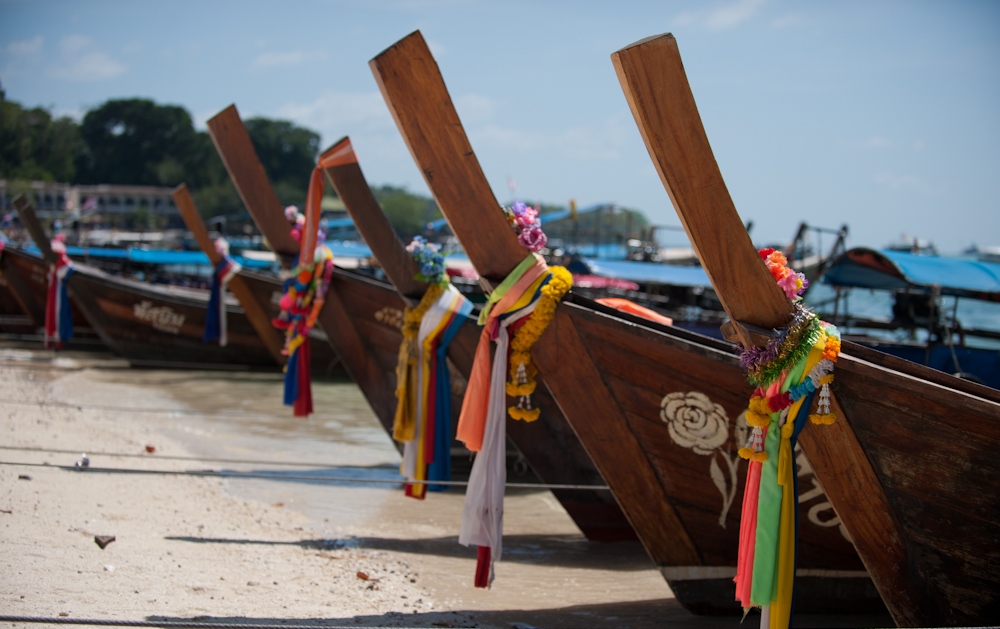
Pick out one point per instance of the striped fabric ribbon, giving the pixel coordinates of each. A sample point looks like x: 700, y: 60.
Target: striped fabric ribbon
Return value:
x: 768, y: 526
x: 58, y: 316
x: 482, y: 425
x: 215, y: 318
x: 426, y: 455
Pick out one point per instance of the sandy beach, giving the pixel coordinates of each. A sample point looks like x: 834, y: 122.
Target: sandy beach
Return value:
x: 266, y: 551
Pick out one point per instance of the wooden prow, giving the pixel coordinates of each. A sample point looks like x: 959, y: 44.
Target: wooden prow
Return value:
x: 347, y: 179
x: 656, y: 88
x: 233, y: 144
x: 238, y: 154
x: 419, y: 101
x: 261, y: 322
x: 653, y: 78
x: 30, y: 221
x: 406, y: 72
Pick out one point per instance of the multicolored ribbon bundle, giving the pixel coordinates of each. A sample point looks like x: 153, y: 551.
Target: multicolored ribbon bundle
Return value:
x: 789, y: 373
x: 423, y: 381
x: 305, y: 289
x: 58, y: 316
x: 522, y: 306
x: 215, y: 319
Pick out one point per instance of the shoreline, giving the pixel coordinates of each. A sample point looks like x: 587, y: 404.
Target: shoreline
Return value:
x: 271, y: 551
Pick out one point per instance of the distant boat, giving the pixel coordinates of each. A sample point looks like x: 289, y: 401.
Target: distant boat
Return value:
x: 916, y: 283
x: 150, y: 325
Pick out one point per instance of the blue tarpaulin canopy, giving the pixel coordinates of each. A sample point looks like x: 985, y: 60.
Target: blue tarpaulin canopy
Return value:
x: 897, y: 270
x: 649, y: 272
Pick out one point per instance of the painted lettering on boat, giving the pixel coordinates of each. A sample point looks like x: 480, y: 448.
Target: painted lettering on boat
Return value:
x: 162, y: 318
x: 392, y: 317
x: 809, y: 489
x: 696, y: 422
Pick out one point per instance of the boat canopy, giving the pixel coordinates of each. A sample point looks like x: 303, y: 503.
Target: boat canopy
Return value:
x: 898, y: 270
x: 649, y: 272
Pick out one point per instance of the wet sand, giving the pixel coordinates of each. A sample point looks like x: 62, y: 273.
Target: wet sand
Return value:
x: 253, y: 550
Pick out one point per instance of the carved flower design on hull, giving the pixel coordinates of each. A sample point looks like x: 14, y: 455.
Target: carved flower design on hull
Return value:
x: 695, y: 422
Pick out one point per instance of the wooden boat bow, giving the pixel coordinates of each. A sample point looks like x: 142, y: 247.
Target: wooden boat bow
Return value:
x: 269, y: 335
x: 879, y: 500
x: 415, y: 92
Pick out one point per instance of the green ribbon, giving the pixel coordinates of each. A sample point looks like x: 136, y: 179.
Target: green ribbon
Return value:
x: 506, y: 285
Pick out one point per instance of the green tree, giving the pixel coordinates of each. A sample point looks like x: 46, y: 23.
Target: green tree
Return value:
x: 33, y: 146
x: 127, y: 142
x: 409, y: 213
x: 288, y: 153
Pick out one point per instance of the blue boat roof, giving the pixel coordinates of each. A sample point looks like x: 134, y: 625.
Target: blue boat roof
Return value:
x: 895, y: 270
x: 340, y: 248
x: 649, y: 272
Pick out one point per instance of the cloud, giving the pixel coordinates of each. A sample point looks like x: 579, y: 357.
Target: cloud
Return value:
x: 285, y: 59
x: 268, y: 60
x: 26, y: 47
x: 905, y: 182
x: 472, y: 107
x: 80, y: 61
x: 733, y: 14
x: 876, y: 142
x: 787, y: 21
x: 600, y: 142
x: 334, y: 114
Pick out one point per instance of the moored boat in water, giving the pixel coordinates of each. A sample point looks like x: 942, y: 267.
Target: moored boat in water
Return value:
x: 658, y: 408
x: 151, y: 324
x: 922, y: 327
x: 553, y: 454
x: 911, y: 466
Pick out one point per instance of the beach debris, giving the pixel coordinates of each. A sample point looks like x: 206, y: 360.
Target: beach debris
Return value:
x: 109, y: 568
x: 84, y: 461
x: 363, y: 576
x: 6, y: 511
x: 103, y: 540
x: 23, y: 477
x: 278, y: 504
x: 150, y: 449
x: 63, y: 614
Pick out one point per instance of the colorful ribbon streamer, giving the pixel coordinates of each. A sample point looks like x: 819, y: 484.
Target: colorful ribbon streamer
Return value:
x: 58, y: 315
x: 531, y: 287
x: 215, y: 319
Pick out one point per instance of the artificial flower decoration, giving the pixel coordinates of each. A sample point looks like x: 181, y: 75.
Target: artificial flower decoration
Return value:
x: 524, y: 219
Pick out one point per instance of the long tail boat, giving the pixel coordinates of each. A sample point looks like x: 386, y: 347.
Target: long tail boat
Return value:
x: 660, y: 410
x: 257, y: 293
x: 25, y: 286
x: 912, y: 466
x: 149, y: 325
x: 366, y: 314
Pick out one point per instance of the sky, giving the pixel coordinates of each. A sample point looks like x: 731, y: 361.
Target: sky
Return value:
x: 881, y: 115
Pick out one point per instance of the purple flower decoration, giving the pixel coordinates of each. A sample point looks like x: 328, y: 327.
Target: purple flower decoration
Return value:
x: 533, y: 239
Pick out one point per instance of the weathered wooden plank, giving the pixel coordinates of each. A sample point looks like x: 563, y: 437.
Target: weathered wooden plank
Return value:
x: 236, y: 149
x: 656, y: 88
x: 406, y: 73
x: 30, y: 221
x: 254, y: 310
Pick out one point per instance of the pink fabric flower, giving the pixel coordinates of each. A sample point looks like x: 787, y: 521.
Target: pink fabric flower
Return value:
x: 533, y: 239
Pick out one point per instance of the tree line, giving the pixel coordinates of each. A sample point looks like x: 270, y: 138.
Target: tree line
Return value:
x: 139, y: 142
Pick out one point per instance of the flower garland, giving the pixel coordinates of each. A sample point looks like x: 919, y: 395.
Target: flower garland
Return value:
x: 423, y: 390
x: 431, y: 261
x: 405, y: 421
x: 789, y: 373
x: 522, y: 372
x: 524, y: 219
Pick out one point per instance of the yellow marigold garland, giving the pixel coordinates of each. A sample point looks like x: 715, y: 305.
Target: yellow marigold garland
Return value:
x: 522, y: 372
x: 404, y: 422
